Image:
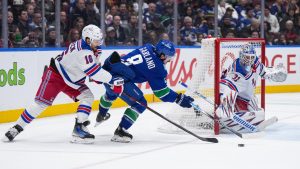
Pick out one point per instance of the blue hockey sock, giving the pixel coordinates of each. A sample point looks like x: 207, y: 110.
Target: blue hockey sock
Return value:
x: 104, y: 105
x: 129, y: 117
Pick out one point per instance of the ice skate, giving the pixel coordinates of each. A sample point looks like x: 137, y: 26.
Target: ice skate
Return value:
x: 81, y: 133
x: 121, y: 135
x: 12, y: 133
x: 100, y: 119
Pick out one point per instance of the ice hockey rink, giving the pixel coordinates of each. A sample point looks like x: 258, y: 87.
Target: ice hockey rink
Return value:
x: 45, y: 144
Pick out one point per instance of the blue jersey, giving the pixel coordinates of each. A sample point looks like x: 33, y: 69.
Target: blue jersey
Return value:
x: 148, y: 67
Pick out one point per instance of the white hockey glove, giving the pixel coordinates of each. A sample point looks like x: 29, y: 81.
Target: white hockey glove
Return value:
x: 226, y: 107
x: 277, y: 74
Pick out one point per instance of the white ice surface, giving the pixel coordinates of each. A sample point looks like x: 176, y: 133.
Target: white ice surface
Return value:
x: 45, y: 144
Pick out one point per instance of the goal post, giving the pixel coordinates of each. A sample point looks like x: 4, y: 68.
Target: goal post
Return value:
x: 220, y: 54
x: 216, y: 55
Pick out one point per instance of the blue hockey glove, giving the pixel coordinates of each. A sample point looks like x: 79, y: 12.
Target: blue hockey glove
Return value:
x: 184, y: 101
x: 117, y: 84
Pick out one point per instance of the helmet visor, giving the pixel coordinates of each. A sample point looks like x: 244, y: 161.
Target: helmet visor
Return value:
x: 248, y: 59
x: 97, y: 42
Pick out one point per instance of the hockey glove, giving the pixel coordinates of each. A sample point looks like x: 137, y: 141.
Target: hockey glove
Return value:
x: 277, y: 74
x: 184, y: 101
x: 280, y: 73
x: 117, y: 84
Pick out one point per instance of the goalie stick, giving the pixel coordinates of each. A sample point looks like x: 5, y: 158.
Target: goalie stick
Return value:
x: 212, y: 140
x: 236, y: 118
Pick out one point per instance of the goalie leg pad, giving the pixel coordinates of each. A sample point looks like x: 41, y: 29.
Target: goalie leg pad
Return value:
x: 226, y: 107
x: 253, y: 117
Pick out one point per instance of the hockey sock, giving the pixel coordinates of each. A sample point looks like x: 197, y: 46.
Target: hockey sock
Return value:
x: 83, y: 112
x: 129, y: 117
x: 104, y: 105
x: 30, y: 113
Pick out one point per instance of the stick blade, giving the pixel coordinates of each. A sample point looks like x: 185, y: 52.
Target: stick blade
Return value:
x: 212, y: 140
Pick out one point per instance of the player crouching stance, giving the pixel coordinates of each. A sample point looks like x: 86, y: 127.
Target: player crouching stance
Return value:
x: 145, y: 64
x: 67, y: 73
x: 237, y: 87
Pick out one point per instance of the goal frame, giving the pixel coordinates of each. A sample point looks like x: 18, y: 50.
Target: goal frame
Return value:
x: 217, y: 58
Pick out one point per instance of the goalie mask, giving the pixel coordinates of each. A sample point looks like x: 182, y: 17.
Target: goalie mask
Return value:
x: 247, y: 56
x: 94, y: 33
x: 167, y: 49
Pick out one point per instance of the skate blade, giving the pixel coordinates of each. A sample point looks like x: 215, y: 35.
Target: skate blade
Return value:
x: 120, y: 139
x: 97, y: 124
x: 5, y: 139
x: 78, y: 140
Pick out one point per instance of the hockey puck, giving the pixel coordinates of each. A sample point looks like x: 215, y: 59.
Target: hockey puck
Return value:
x: 241, y: 145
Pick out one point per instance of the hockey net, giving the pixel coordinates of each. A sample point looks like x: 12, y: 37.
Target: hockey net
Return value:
x: 217, y: 54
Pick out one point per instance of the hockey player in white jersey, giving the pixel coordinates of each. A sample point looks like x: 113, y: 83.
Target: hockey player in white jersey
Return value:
x: 237, y: 87
x: 67, y: 73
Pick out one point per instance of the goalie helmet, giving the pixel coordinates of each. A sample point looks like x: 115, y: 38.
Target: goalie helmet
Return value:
x: 247, y: 56
x: 166, y: 48
x: 93, y: 32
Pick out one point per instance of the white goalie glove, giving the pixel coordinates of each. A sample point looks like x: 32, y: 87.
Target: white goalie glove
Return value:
x: 227, y: 102
x: 277, y: 74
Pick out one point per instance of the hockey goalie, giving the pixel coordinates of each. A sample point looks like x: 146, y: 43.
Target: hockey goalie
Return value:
x: 237, y: 90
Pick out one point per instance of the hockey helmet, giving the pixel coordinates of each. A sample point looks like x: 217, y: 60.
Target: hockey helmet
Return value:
x: 247, y: 55
x: 166, y: 48
x: 93, y: 32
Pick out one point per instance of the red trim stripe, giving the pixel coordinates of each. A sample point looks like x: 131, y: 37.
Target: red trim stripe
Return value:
x: 84, y: 109
x: 26, y: 117
x: 92, y: 70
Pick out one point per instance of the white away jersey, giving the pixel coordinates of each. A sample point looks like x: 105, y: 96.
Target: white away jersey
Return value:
x: 239, y: 80
x: 79, y: 61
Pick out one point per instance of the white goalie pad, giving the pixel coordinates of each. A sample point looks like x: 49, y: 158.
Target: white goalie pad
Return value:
x: 253, y: 117
x: 277, y: 74
x: 226, y: 108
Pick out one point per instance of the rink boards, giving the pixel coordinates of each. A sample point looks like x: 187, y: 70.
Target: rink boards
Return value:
x: 21, y: 71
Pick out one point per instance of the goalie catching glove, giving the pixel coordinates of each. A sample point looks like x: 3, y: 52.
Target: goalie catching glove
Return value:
x: 117, y: 84
x: 184, y: 100
x: 277, y: 74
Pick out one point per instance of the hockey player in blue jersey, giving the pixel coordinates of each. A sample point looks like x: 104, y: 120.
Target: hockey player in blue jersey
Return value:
x: 145, y: 64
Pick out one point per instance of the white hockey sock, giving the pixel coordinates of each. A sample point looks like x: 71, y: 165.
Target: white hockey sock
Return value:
x: 30, y: 113
x: 83, y: 112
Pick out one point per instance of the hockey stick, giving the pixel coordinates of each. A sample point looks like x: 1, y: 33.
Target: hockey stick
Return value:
x: 195, y: 106
x: 237, y: 118
x: 212, y: 140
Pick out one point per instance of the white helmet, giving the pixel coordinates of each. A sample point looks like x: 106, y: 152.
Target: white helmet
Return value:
x: 247, y: 56
x: 92, y: 32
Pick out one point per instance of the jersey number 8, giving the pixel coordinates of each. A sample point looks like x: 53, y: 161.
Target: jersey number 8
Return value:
x: 134, y: 60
